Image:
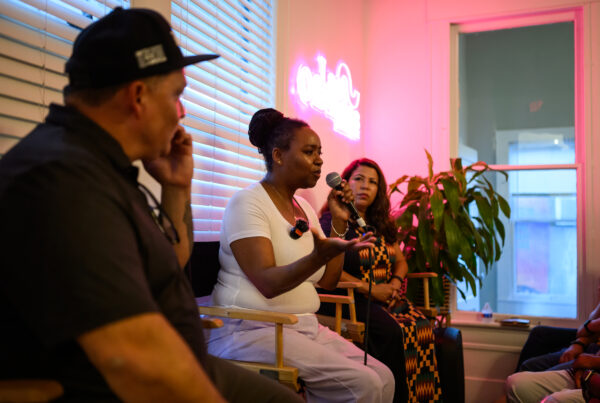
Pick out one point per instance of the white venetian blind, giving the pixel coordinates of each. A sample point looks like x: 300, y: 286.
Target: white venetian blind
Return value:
x: 36, y: 37
x: 221, y: 97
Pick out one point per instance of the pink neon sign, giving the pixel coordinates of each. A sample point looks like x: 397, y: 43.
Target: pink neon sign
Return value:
x: 331, y: 94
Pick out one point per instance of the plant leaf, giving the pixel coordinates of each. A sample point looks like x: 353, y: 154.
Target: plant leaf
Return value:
x: 500, y: 229
x: 437, y: 208
x: 504, y: 206
x: 451, y: 192
x: 485, y: 211
x: 429, y: 164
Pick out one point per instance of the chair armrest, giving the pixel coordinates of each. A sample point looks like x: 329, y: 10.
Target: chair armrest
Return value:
x: 336, y: 299
x: 29, y: 390
x: 349, y: 284
x: 425, y: 276
x: 249, y: 314
x: 421, y: 275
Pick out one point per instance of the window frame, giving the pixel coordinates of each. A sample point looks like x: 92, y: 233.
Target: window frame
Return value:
x: 448, y: 34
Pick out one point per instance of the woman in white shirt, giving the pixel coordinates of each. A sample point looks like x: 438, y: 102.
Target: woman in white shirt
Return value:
x: 273, y: 251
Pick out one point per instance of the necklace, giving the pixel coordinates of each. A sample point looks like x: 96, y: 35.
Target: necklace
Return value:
x: 283, y: 199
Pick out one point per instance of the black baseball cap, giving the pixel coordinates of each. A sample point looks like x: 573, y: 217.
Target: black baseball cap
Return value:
x: 125, y: 45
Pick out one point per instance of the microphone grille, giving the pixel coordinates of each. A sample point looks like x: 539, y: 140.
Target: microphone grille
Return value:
x: 333, y: 179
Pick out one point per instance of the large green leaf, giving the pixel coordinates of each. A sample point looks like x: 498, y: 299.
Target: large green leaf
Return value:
x: 437, y: 208
x: 500, y: 229
x: 504, y: 206
x: 485, y: 211
x: 453, y: 236
x: 451, y: 192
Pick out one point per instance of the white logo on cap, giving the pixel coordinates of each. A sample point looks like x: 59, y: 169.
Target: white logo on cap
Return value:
x: 150, y: 56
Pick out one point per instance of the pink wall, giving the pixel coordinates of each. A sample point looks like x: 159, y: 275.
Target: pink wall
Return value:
x: 398, y: 54
x: 334, y: 29
x: 385, y: 44
x: 397, y: 87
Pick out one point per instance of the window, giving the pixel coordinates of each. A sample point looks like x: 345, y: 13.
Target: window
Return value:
x: 222, y: 96
x: 518, y: 113
x: 35, y: 42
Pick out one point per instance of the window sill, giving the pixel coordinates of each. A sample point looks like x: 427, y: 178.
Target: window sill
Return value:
x: 475, y: 323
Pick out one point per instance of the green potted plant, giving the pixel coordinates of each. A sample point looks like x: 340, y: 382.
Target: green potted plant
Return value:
x: 437, y: 231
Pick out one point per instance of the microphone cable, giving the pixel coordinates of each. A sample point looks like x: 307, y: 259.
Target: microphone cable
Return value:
x: 369, y: 294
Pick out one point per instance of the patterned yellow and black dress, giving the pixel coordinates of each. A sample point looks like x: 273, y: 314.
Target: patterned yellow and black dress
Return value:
x: 402, y: 339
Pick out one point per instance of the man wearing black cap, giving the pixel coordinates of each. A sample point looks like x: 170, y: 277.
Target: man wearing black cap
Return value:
x: 92, y: 293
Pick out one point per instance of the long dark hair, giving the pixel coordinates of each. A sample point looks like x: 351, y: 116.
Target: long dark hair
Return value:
x: 268, y: 129
x: 378, y: 213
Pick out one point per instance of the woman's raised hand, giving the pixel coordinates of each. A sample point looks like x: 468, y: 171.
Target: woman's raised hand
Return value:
x: 327, y: 248
x: 337, y: 200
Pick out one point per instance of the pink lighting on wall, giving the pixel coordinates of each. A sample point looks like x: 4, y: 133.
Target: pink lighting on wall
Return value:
x: 331, y: 94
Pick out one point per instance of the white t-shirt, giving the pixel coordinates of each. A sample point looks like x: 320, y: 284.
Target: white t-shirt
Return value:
x: 251, y: 213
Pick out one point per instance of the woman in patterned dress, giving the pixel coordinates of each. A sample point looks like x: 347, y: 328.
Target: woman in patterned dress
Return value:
x: 399, y: 335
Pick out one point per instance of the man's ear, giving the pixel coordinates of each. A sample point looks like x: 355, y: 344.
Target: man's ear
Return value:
x: 136, y: 94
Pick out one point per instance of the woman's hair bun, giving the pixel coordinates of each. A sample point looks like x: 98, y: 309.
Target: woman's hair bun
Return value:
x: 262, y: 124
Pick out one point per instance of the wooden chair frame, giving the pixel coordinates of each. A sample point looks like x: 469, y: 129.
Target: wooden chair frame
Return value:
x: 29, y: 390
x: 284, y: 374
x: 351, y: 329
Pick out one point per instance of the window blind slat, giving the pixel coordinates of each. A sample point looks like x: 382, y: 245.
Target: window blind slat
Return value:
x: 210, y: 116
x: 227, y: 61
x: 221, y: 98
x: 239, y: 14
x: 216, y: 18
x: 22, y: 110
x: 28, y: 92
x: 225, y: 97
x: 36, y: 41
x: 46, y: 24
x: 32, y: 74
x: 196, y: 125
x: 220, y: 108
x: 61, y: 12
x: 220, y: 141
x: 259, y: 13
x: 235, y: 43
x: 234, y: 75
x: 14, y: 127
x: 6, y: 143
x: 227, y: 83
x: 96, y: 9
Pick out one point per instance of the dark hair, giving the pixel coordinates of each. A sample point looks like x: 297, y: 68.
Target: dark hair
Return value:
x: 269, y: 129
x: 378, y: 213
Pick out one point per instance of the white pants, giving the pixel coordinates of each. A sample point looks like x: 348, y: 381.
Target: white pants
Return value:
x: 331, y: 367
x: 546, y: 386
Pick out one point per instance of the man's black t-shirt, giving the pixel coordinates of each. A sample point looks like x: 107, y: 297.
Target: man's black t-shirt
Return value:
x: 80, y: 250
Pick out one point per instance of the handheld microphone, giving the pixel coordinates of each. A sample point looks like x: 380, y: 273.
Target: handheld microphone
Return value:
x: 334, y: 180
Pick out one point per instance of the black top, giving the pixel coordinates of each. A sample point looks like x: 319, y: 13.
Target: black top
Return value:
x: 382, y: 257
x: 79, y: 250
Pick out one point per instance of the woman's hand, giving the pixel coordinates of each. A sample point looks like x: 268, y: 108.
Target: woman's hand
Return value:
x: 337, y: 200
x: 328, y: 251
x: 383, y: 292
x: 327, y: 248
x: 587, y: 361
x: 571, y: 353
